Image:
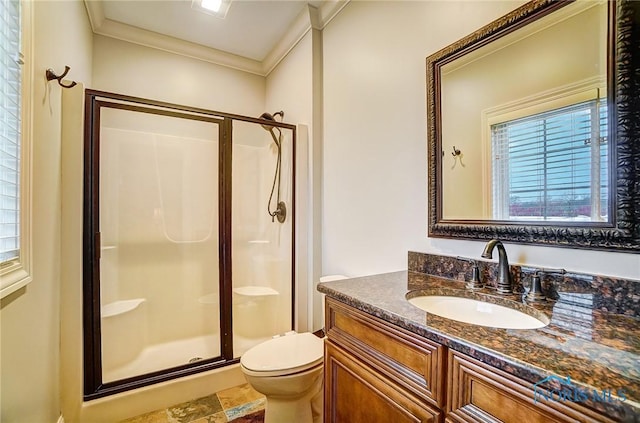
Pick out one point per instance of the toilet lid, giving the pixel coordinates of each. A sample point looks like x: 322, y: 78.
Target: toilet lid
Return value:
x: 285, y: 355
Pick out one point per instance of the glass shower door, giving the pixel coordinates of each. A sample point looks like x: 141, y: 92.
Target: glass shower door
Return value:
x: 159, y: 258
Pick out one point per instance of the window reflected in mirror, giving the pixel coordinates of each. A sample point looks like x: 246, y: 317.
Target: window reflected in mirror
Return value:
x: 552, y: 165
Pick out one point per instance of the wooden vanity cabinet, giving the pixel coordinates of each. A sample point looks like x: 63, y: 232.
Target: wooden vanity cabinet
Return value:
x: 378, y: 372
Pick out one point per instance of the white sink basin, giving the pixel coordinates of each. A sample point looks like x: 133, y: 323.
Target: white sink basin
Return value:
x: 477, y: 312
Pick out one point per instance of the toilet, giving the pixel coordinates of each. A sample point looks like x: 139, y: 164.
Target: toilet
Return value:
x: 287, y: 370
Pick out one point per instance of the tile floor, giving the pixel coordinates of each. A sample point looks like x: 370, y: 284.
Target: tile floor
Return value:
x: 240, y: 404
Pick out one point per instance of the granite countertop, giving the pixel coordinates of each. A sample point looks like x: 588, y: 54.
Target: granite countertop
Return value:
x: 596, y: 350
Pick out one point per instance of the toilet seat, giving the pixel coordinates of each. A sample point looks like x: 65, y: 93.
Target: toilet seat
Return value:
x: 284, y: 355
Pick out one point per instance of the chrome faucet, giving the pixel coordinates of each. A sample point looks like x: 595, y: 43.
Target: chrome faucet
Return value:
x: 505, y: 286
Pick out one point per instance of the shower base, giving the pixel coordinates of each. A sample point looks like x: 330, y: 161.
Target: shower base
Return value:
x: 176, y: 353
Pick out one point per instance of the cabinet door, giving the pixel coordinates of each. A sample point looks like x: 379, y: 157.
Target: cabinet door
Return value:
x: 415, y: 363
x: 479, y: 392
x: 355, y: 393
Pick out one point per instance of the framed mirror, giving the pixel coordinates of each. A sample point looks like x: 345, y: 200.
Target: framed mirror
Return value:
x: 533, y: 126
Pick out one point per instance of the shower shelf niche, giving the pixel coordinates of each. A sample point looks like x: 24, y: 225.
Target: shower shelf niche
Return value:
x: 120, y: 307
x: 255, y: 291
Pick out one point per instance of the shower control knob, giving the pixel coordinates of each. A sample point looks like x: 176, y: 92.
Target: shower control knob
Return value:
x: 281, y: 212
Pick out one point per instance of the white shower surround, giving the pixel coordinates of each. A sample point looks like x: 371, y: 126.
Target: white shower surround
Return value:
x: 173, y: 326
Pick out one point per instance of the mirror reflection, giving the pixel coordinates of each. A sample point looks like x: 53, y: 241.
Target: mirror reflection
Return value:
x: 524, y: 132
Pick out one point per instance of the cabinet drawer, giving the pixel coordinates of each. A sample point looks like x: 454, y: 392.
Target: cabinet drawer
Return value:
x: 414, y: 362
x: 354, y: 393
x: 478, y: 392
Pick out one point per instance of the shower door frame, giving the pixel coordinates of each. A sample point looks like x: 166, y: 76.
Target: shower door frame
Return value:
x: 92, y: 341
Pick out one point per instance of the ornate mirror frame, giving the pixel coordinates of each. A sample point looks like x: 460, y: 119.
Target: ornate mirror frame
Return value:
x: 623, y: 232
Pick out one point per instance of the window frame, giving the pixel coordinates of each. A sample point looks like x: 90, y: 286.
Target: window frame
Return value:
x: 16, y: 273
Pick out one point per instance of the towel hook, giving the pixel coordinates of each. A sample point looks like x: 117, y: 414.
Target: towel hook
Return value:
x: 51, y: 75
x: 457, y: 155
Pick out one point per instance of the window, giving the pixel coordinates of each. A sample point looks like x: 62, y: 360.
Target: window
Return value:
x: 14, y: 146
x: 552, y: 165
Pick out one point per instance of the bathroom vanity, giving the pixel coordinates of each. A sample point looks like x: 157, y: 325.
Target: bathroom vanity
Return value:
x: 389, y: 361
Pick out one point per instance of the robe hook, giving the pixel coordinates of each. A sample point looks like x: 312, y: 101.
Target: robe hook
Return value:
x: 51, y: 75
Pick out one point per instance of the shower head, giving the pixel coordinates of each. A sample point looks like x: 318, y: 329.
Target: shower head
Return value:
x: 271, y: 117
x: 267, y: 116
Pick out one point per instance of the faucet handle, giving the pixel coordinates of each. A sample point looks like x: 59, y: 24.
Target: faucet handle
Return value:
x: 535, y: 290
x: 550, y: 271
x: 468, y: 260
x: 475, y: 282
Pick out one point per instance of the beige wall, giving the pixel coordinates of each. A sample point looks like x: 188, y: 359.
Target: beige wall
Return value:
x: 375, y: 190
x: 289, y: 85
x: 31, y: 316
x: 135, y: 70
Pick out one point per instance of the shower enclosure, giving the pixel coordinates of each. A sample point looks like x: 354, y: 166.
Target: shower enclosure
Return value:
x: 188, y: 239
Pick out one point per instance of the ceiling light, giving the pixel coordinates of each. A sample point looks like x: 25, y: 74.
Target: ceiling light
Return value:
x: 216, y: 8
x: 213, y: 5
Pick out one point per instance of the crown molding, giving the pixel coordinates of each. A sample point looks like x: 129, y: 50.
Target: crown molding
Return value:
x: 102, y: 26
x: 329, y: 10
x: 298, y: 29
x: 310, y: 17
x: 95, y: 12
x: 158, y: 41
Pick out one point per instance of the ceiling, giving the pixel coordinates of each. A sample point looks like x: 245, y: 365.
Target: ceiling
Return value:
x: 254, y: 36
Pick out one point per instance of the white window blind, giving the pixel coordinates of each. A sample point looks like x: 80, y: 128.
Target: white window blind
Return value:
x: 552, y: 165
x: 10, y: 61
